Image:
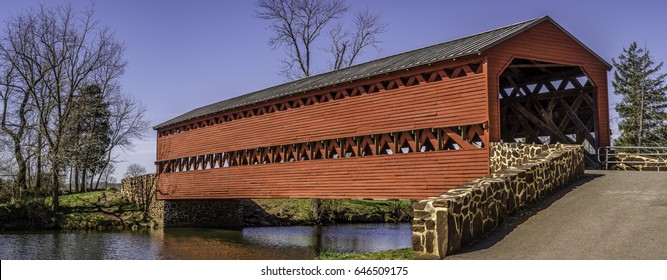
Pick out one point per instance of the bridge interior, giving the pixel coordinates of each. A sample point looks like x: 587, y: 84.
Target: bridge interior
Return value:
x: 548, y: 103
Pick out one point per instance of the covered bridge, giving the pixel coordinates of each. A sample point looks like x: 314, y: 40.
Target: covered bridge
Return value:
x: 410, y: 125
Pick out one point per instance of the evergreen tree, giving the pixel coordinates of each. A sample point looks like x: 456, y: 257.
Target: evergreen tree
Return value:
x: 97, y: 128
x: 643, y: 110
x: 89, y: 139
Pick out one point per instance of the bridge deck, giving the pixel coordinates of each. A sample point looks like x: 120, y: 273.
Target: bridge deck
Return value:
x: 610, y: 215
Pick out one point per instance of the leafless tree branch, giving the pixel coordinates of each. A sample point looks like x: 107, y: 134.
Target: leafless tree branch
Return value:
x: 297, y: 24
x: 346, y: 46
x: 47, y: 55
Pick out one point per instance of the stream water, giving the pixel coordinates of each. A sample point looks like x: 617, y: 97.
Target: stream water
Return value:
x: 295, y: 242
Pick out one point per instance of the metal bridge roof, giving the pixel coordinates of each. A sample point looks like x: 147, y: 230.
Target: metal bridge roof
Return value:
x: 465, y: 46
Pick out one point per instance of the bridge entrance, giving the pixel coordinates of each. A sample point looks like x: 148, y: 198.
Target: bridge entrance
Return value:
x: 548, y: 103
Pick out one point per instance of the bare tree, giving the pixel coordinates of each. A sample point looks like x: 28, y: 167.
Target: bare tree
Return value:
x: 5, y: 157
x: 135, y: 170
x: 22, y: 74
x: 62, y: 51
x: 7, y: 191
x: 16, y: 131
x: 347, y: 45
x: 127, y: 123
x: 107, y: 174
x: 297, y: 24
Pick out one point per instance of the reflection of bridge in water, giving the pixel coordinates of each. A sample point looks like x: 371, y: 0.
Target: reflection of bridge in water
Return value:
x: 301, y: 242
x: 296, y: 242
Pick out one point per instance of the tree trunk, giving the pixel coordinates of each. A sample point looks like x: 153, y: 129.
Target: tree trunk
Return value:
x: 28, y: 176
x: 38, y: 184
x: 21, y: 182
x: 83, y: 180
x: 17, y: 138
x: 92, y: 177
x: 316, y: 209
x: 641, y: 117
x: 99, y: 177
x: 55, y: 182
x: 70, y: 178
x: 102, y: 171
x: 76, y: 179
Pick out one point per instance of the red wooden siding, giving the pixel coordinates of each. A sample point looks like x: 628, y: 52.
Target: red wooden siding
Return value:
x: 443, y: 103
x: 546, y: 42
x: 448, y: 102
x: 415, y: 175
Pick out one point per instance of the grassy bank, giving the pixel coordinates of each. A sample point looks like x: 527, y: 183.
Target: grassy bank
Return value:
x: 104, y: 209
x: 399, y: 254
x: 331, y: 211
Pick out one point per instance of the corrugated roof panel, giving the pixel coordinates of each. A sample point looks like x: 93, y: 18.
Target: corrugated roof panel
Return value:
x: 435, y: 53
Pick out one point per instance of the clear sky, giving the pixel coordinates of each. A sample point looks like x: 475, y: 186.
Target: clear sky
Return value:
x: 187, y: 54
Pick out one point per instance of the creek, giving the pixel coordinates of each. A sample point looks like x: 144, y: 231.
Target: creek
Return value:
x: 293, y: 242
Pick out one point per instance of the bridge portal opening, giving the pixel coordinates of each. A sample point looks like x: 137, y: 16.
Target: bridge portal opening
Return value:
x: 548, y: 103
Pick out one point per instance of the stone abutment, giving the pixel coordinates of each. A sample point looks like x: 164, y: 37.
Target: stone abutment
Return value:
x: 521, y: 174
x: 185, y: 212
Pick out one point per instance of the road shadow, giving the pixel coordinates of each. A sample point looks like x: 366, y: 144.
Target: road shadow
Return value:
x: 516, y: 219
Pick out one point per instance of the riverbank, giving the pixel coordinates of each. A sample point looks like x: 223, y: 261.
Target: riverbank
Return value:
x: 286, y: 212
x: 94, y: 210
x: 398, y: 254
x: 107, y: 209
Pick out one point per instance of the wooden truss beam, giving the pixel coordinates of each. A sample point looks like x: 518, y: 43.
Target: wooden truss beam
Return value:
x: 432, y: 139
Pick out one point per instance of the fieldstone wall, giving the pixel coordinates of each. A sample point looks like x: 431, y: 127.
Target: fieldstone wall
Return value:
x: 141, y: 191
x: 443, y: 224
x: 504, y: 155
x: 181, y: 213
x: 203, y: 213
x: 630, y: 162
x: 138, y: 189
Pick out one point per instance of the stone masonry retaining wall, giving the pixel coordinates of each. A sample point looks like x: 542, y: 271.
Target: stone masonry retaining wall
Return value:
x: 630, y: 162
x: 521, y: 174
x: 182, y: 213
x: 504, y: 155
x: 141, y: 191
x: 203, y: 213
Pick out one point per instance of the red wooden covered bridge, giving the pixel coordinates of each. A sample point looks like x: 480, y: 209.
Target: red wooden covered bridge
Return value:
x: 410, y: 125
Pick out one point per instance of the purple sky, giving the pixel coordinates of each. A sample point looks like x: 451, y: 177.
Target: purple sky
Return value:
x: 187, y: 54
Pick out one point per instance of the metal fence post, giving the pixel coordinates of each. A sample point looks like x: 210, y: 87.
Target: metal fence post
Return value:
x: 606, y: 158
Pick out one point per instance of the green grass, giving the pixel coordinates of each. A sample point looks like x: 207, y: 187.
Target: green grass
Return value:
x: 338, y: 210
x: 293, y: 209
x: 399, y: 254
x: 79, y: 200
x: 106, y: 200
x: 88, y: 210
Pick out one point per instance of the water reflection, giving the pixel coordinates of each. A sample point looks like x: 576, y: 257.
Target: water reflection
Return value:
x: 346, y: 238
x: 77, y: 245
x: 249, y: 243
